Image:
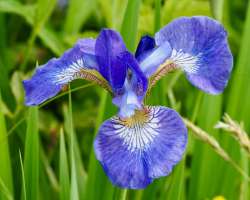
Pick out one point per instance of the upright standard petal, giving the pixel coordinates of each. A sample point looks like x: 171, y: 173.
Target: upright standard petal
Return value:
x: 155, y: 59
x: 145, y: 45
x: 136, y: 150
x: 108, y: 48
x: 135, y: 87
x: 199, y: 47
x: 136, y: 78
x: 49, y: 79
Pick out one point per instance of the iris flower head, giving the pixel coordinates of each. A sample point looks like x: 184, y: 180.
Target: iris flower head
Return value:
x: 141, y: 143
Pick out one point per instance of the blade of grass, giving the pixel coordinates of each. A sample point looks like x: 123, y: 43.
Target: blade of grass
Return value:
x: 81, y: 174
x: 4, y: 68
x: 26, y: 11
x: 64, y: 170
x: 130, y: 22
x: 157, y: 15
x: 48, y: 171
x: 44, y: 9
x: 31, y: 156
x: 201, y: 169
x: 23, y: 176
x: 48, y: 36
x: 74, y: 185
x: 95, y: 188
x: 52, y: 40
x: 5, y: 170
x: 120, y: 194
x: 118, y: 10
x: 5, y: 193
x: 217, y: 9
x: 47, y: 189
x: 77, y: 14
x: 176, y: 183
x: 239, y: 95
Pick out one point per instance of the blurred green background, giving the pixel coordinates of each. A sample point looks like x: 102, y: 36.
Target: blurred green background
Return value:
x: 46, y: 151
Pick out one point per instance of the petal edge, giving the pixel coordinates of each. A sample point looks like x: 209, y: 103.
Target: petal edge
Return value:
x: 133, y: 155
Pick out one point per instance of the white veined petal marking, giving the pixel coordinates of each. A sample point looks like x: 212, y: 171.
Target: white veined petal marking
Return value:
x: 77, y: 70
x: 185, y: 61
x: 138, y: 131
x: 70, y: 73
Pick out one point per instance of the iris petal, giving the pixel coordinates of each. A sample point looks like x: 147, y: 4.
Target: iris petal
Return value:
x: 145, y: 45
x: 200, y: 48
x: 136, y: 150
x: 156, y: 58
x: 135, y: 87
x: 49, y: 79
x: 137, y: 79
x: 109, y: 46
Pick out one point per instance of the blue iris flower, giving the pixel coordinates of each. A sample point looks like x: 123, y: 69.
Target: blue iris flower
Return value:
x: 141, y: 143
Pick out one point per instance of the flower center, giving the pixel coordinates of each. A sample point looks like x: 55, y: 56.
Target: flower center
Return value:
x: 139, y: 118
x: 139, y: 130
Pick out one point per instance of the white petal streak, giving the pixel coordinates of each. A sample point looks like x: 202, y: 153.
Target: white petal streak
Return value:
x: 189, y: 63
x: 70, y: 73
x: 139, y: 134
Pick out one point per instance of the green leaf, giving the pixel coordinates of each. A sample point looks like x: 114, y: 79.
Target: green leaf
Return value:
x: 31, y: 156
x: 239, y: 96
x: 17, y: 88
x: 176, y: 183
x: 50, y: 177
x: 23, y: 176
x: 201, y: 169
x: 48, y: 36
x: 5, y: 169
x: 43, y: 11
x: 4, y: 192
x: 129, y: 24
x: 157, y: 15
x: 80, y: 172
x: 113, y: 11
x: 120, y: 194
x: 74, y: 185
x: 96, y: 178
x: 51, y: 40
x: 4, y: 67
x: 64, y: 170
x: 77, y: 13
x: 217, y: 9
x: 15, y: 7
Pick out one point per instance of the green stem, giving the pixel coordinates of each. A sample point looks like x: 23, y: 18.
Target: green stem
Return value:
x: 123, y: 195
x: 120, y: 194
x: 67, y: 92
